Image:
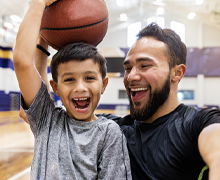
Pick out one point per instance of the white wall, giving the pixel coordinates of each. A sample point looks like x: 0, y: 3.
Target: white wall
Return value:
x: 212, y: 91
x: 111, y: 93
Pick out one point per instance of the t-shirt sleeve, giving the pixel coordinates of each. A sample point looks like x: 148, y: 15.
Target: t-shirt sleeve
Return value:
x: 114, y: 162
x: 40, y: 110
x: 204, y: 118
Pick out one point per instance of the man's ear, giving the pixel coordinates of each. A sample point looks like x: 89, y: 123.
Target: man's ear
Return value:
x: 104, y: 84
x: 54, y: 87
x: 178, y: 72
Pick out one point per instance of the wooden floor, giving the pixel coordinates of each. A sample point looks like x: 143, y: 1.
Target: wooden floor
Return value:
x: 16, y: 147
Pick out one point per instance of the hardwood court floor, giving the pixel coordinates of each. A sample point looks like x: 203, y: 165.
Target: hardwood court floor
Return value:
x: 16, y: 147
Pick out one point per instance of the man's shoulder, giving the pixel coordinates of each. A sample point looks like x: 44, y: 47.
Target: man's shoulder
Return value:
x: 186, y: 111
x: 209, y: 115
x: 194, y: 112
x: 126, y: 120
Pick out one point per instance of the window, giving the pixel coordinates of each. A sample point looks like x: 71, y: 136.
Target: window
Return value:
x: 133, y: 30
x: 179, y: 28
x: 159, y: 20
x: 123, y: 94
x: 185, y: 95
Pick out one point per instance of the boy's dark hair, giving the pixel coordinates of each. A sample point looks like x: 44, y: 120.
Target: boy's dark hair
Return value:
x: 77, y: 52
x: 176, y: 49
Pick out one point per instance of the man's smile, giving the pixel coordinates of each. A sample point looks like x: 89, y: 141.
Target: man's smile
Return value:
x: 138, y: 93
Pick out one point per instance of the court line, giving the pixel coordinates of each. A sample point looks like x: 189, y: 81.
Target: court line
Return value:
x: 31, y: 150
x: 15, y: 144
x: 20, y: 174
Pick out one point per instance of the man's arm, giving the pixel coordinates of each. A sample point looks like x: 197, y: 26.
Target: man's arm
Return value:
x: 126, y: 120
x: 28, y: 77
x: 209, y: 147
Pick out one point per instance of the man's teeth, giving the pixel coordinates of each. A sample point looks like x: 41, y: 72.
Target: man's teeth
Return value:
x: 139, y: 89
x: 80, y: 99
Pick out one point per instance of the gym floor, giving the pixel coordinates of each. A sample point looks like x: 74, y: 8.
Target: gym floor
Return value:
x: 16, y: 147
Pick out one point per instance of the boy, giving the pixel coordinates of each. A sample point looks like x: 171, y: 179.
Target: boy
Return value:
x: 71, y: 144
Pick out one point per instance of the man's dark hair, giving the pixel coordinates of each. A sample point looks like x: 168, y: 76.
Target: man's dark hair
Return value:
x: 176, y: 49
x: 77, y: 52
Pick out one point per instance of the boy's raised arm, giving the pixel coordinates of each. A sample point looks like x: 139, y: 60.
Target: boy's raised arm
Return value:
x: 41, y: 63
x: 28, y: 77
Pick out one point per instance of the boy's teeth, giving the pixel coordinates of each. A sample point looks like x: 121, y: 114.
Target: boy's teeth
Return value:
x: 80, y: 99
x: 139, y: 89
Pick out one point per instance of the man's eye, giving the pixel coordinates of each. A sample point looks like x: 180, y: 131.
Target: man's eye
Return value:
x: 145, y: 66
x: 90, y: 78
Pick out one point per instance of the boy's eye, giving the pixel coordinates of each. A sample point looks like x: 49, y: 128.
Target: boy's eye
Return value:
x: 68, y: 79
x: 127, y: 68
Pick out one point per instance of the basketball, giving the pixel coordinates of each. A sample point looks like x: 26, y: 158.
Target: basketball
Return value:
x: 70, y: 21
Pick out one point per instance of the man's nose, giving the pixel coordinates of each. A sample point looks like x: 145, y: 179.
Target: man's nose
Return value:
x: 134, y: 75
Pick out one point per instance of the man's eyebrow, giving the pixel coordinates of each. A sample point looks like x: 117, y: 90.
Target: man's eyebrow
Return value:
x: 144, y: 59
x: 138, y: 60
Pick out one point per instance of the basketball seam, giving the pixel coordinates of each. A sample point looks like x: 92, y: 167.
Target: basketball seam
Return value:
x: 50, y: 42
x: 78, y: 27
x: 68, y: 29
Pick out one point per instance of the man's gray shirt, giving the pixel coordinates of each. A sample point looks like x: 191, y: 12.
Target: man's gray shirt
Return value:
x: 74, y: 150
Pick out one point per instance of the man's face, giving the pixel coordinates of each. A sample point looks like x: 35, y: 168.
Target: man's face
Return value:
x: 147, y: 77
x: 80, y: 85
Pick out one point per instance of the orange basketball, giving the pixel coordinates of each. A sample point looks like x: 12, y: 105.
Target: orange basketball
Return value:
x: 70, y: 21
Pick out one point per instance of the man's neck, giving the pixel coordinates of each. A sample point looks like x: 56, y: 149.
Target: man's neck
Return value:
x: 166, y: 108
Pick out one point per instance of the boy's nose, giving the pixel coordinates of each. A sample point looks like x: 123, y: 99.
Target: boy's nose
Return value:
x: 80, y: 87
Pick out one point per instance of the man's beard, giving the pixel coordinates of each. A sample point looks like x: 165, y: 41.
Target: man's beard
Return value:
x: 156, y: 100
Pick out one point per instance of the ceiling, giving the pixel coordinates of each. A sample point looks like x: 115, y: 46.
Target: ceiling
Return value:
x: 136, y: 10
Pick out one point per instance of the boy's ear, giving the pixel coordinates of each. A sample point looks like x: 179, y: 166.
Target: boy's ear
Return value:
x: 104, y: 84
x: 54, y: 87
x: 178, y: 72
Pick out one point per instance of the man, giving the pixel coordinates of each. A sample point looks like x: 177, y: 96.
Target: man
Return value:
x: 167, y: 140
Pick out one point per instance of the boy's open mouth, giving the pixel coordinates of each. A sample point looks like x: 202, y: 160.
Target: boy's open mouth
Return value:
x: 81, y: 103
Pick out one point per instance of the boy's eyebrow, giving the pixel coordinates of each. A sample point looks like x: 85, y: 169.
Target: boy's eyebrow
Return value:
x: 67, y: 74
x: 71, y: 73
x: 91, y: 72
x: 138, y: 60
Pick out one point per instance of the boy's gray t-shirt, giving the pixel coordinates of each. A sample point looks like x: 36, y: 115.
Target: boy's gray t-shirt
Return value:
x: 74, y: 150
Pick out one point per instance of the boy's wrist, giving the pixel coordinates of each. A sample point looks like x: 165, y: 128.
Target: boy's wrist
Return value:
x: 40, y: 2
